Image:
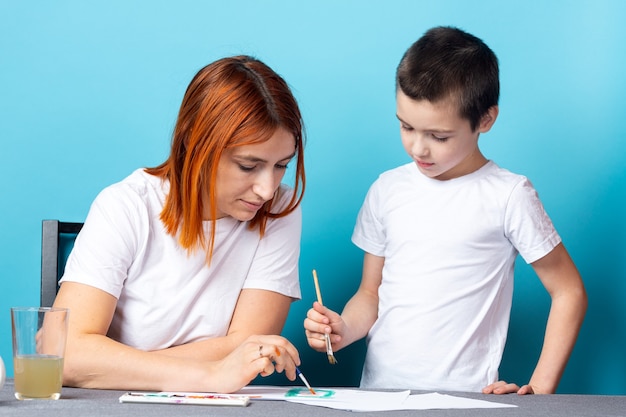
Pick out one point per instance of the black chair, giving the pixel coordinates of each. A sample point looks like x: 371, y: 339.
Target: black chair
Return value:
x: 56, y: 237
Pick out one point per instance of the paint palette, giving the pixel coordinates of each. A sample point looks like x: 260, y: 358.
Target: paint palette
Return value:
x: 305, y: 393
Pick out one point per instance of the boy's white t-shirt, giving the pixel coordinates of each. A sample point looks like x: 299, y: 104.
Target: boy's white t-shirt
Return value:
x: 447, y: 283
x: 167, y: 297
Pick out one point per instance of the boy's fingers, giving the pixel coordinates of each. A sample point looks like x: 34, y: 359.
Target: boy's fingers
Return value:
x: 315, y: 328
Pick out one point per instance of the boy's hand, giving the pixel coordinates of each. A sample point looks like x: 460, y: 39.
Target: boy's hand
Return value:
x: 320, y: 320
x: 502, y: 387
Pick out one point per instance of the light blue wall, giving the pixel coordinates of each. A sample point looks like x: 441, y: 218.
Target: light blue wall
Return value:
x: 89, y: 91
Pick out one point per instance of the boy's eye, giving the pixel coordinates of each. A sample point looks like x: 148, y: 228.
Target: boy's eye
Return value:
x: 440, y: 138
x: 405, y: 127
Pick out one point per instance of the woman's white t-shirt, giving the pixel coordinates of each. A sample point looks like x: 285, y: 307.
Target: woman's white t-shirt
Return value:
x: 166, y: 296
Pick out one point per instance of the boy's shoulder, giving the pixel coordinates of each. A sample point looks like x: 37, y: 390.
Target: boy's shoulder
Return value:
x: 407, y: 170
x: 490, y: 178
x: 490, y: 170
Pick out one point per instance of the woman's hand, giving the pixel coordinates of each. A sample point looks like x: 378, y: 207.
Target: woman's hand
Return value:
x: 257, y: 355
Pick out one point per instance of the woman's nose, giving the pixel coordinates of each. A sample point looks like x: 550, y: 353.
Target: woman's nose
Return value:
x: 265, y: 186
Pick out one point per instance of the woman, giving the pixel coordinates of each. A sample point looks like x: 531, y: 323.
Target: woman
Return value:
x: 183, y: 274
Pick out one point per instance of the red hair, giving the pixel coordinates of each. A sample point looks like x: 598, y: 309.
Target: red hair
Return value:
x: 232, y: 102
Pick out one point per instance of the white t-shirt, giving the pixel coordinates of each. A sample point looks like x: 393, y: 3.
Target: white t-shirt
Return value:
x: 446, y: 291
x: 165, y: 296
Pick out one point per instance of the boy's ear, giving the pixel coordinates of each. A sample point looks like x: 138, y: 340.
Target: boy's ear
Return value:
x: 488, y: 119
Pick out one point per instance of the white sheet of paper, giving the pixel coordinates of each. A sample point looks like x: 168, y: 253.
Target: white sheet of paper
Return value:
x: 444, y: 401
x: 357, y: 400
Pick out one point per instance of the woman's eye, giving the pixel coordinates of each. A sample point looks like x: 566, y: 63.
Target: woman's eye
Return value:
x: 281, y: 166
x: 246, y: 168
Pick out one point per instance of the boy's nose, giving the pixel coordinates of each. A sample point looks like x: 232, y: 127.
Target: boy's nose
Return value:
x: 418, y: 147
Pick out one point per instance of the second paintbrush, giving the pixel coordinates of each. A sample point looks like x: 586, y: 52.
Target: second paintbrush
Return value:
x: 329, y: 348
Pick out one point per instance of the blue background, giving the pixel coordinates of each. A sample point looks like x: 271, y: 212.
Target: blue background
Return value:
x: 89, y: 91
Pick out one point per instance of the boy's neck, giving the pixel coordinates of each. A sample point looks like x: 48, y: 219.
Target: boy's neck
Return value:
x: 471, y: 164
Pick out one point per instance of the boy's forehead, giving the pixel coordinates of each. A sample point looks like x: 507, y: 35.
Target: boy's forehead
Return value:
x: 449, y: 101
x: 444, y: 110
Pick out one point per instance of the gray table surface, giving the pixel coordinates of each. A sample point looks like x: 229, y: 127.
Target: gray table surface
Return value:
x: 85, y: 403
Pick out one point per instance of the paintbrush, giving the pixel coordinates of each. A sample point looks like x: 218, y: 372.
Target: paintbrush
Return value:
x: 301, y: 376
x: 298, y: 371
x: 329, y: 349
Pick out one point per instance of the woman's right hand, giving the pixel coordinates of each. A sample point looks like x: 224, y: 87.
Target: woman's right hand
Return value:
x: 319, y: 321
x: 257, y: 355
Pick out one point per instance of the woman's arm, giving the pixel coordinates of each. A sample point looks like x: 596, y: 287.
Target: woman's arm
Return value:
x: 93, y: 360
x: 258, y: 312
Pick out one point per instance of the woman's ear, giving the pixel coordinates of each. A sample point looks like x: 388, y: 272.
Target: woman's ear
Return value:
x: 488, y: 119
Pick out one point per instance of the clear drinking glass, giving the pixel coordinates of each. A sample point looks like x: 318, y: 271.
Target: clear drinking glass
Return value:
x: 39, y: 337
x: 2, y: 373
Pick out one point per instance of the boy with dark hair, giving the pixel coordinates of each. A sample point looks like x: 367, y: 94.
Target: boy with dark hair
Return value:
x: 441, y: 235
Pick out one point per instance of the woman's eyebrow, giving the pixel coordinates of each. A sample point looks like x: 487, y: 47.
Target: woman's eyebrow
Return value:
x: 252, y: 158
x: 249, y: 158
x: 290, y: 156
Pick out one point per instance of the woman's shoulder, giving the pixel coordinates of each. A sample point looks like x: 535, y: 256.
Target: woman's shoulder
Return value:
x: 138, y: 183
x: 139, y: 190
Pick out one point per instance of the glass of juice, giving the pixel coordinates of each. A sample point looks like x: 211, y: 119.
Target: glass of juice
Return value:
x: 39, y: 336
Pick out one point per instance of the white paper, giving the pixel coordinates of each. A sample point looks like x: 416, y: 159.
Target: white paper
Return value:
x: 358, y: 400
x: 444, y: 401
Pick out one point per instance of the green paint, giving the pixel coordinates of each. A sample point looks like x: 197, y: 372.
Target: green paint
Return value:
x: 305, y: 393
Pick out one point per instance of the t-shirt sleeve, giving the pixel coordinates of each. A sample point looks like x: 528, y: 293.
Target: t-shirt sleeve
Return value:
x: 106, y: 246
x: 275, y: 264
x: 527, y: 225
x: 369, y: 233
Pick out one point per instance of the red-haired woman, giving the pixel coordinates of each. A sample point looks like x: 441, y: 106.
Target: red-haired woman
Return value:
x: 183, y: 274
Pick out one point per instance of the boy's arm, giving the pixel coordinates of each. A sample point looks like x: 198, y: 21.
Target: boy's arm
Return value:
x: 561, y: 279
x: 569, y: 304
x: 358, y: 315
x: 361, y: 311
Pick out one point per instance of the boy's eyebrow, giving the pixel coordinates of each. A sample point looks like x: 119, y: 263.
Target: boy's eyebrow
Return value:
x: 429, y: 130
x: 399, y: 118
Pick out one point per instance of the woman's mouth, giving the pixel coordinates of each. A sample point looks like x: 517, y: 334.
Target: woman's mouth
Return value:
x: 252, y: 206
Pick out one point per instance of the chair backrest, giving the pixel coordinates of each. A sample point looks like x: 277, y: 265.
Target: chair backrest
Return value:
x: 53, y: 256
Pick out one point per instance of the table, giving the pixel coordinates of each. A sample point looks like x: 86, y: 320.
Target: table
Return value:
x: 77, y: 402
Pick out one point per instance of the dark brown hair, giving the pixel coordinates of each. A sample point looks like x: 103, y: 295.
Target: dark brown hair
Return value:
x: 449, y: 63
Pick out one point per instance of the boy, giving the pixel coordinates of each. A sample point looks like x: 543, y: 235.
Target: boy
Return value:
x: 441, y: 235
